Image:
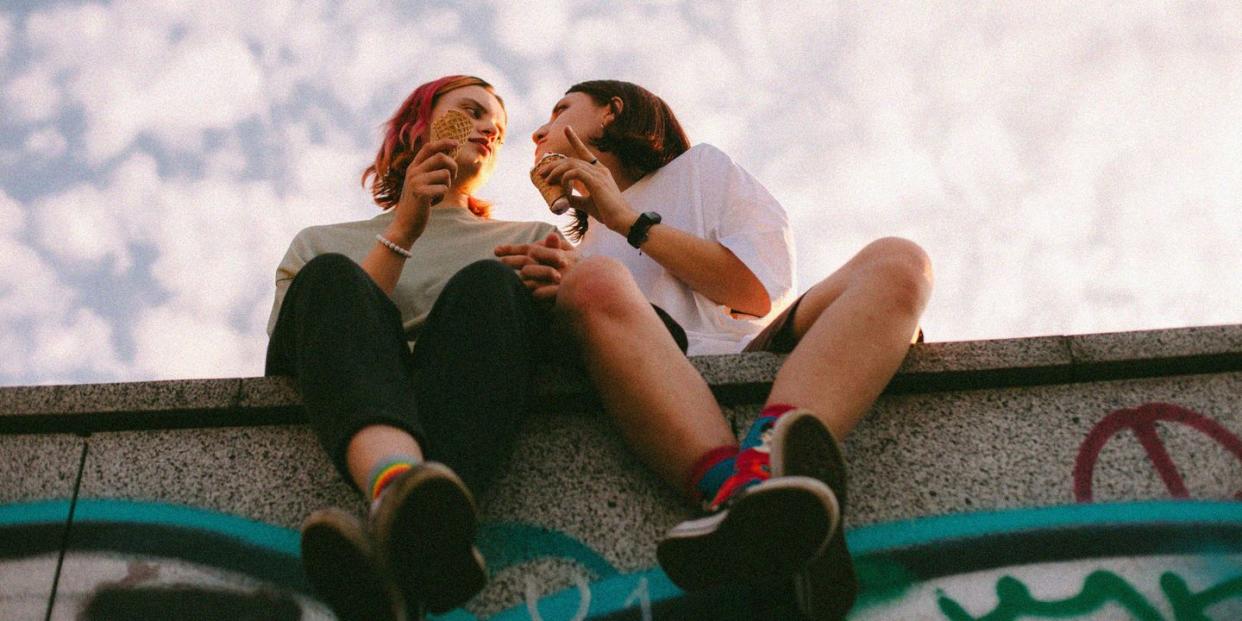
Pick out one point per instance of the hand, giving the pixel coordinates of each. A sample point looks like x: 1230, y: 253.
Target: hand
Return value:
x: 427, y: 179
x: 602, y: 198
x: 541, y: 265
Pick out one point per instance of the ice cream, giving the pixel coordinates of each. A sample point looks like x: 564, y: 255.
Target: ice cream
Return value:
x: 554, y: 195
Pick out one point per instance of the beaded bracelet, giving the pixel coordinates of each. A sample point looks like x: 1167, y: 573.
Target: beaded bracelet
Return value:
x: 393, y: 247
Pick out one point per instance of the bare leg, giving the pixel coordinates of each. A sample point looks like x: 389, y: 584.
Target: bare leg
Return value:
x: 854, y: 329
x: 664, y: 408
x: 373, y: 443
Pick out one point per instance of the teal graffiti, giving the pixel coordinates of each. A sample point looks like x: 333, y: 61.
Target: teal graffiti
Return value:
x: 506, y: 544
x: 882, y: 581
x: 1100, y: 589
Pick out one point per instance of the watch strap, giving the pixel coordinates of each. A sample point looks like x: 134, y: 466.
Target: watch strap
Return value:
x: 638, y: 231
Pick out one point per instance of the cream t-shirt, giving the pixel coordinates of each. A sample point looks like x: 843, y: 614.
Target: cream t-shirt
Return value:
x: 453, y: 239
x: 704, y: 193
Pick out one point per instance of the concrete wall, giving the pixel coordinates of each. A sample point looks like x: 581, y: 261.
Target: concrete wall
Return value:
x: 1091, y: 476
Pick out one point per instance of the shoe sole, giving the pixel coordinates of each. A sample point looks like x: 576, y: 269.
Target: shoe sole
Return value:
x: 772, y: 530
x: 337, y: 560
x: 827, y: 587
x: 426, y: 533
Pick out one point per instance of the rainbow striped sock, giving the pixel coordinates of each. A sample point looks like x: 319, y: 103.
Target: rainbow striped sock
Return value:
x: 386, y: 471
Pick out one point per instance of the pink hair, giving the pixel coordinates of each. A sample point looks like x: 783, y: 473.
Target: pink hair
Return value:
x: 405, y: 133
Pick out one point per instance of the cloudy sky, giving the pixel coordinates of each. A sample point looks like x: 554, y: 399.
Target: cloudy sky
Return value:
x: 1071, y: 167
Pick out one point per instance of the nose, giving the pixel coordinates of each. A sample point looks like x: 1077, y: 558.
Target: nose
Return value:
x: 540, y: 133
x: 490, y: 130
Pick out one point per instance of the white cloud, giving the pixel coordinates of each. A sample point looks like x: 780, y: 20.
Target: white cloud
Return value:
x: 6, y: 37
x: 32, y: 96
x: 12, y: 217
x: 533, y: 31
x: 46, y: 143
x: 175, y: 342
x: 82, y: 226
x: 81, y: 343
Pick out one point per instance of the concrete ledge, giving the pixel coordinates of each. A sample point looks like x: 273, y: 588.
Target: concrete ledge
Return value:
x: 735, y: 379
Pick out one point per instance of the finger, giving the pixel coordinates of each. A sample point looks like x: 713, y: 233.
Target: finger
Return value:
x: 542, y: 273
x: 554, y: 172
x: 444, y: 145
x: 511, y: 249
x: 546, y: 293
x: 548, y: 256
x: 552, y: 241
x: 580, y: 148
x: 516, y: 262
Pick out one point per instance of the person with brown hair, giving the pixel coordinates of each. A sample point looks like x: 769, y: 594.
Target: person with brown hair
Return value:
x: 666, y: 225
x: 412, y: 348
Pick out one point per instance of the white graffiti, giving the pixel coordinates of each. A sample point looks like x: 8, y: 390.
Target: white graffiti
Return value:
x: 532, y: 598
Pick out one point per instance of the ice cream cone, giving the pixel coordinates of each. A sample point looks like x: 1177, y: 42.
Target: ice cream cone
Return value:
x: 554, y: 195
x: 452, y: 124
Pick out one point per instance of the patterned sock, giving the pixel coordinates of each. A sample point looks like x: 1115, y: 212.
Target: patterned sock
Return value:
x: 386, y: 471
x: 753, y: 463
x: 711, y: 471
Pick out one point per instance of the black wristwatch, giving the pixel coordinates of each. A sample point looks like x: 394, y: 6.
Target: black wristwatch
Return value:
x: 638, y: 231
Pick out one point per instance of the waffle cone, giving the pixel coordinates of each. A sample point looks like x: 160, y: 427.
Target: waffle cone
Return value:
x: 553, y: 195
x: 452, y: 124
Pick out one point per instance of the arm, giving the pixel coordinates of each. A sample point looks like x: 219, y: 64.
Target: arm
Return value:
x: 705, y: 266
x: 427, y: 180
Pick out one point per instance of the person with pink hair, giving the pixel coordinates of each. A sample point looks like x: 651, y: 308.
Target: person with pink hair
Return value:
x: 412, y: 348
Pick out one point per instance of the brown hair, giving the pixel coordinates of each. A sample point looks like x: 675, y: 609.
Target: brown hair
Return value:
x: 404, y: 136
x: 644, y: 134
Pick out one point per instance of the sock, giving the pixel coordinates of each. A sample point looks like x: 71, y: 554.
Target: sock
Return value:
x: 711, y: 471
x: 387, y: 471
x: 753, y: 463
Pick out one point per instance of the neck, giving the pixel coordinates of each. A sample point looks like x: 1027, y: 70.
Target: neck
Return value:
x: 623, y: 179
x: 454, y: 198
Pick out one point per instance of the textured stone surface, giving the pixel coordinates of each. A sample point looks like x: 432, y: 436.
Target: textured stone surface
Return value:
x: 956, y: 452
x: 275, y: 474
x: 26, y: 583
x: 56, y: 457
x: 1156, y: 344
x: 572, y: 482
x: 961, y: 356
x: 119, y: 397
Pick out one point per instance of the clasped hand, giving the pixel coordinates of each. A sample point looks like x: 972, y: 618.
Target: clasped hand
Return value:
x: 541, y: 265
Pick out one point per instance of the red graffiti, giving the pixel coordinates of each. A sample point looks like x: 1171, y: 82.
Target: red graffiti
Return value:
x: 1142, y: 421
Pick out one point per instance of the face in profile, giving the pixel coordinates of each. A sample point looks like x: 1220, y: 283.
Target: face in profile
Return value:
x: 576, y: 110
x: 476, y: 159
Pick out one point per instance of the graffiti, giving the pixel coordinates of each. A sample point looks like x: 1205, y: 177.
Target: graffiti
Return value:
x: 1099, y: 589
x: 1142, y: 422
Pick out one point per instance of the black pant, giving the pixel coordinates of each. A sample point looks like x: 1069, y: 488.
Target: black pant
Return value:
x: 462, y: 393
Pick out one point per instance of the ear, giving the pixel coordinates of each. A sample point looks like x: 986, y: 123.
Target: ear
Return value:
x: 615, y: 106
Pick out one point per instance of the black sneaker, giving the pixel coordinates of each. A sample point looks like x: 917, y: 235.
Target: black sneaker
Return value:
x: 768, y: 529
x: 424, y: 527
x: 826, y: 588
x: 341, y: 567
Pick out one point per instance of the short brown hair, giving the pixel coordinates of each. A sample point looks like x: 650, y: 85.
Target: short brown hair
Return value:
x: 644, y: 135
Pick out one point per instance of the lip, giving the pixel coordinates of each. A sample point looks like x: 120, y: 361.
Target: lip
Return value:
x: 483, y: 145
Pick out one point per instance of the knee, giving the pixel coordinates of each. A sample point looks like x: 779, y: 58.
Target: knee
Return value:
x: 331, y: 269
x: 488, y: 273
x: 599, y: 287
x: 902, y: 266
x: 486, y: 281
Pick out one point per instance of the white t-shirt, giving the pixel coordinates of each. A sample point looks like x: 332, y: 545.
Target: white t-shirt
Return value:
x: 704, y: 193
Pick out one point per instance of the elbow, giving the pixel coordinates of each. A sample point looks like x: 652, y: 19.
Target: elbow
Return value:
x: 753, y: 301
